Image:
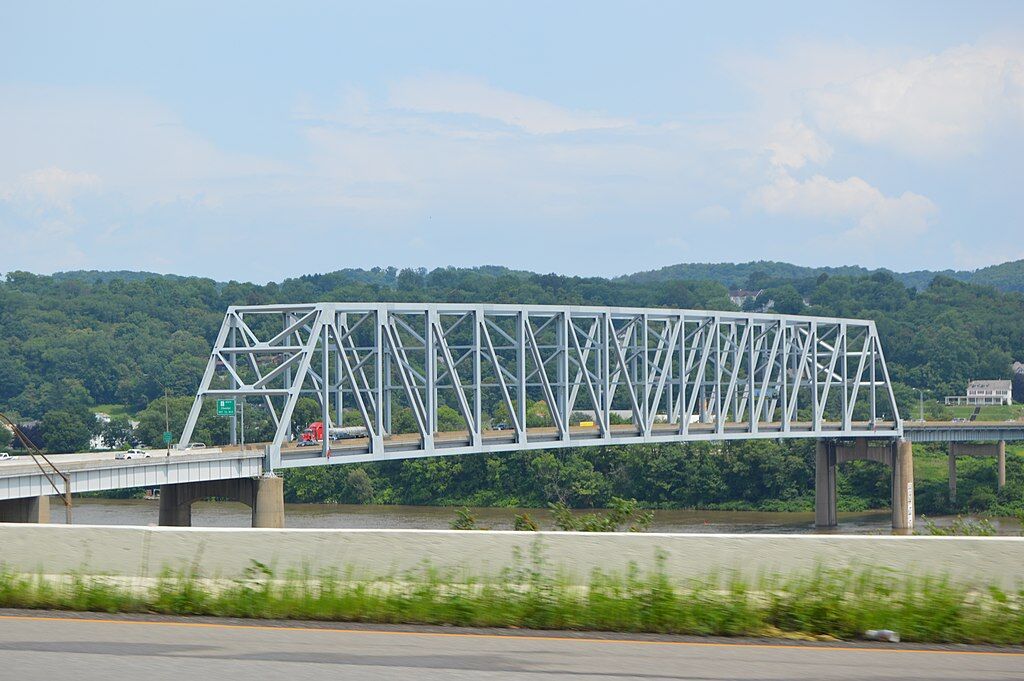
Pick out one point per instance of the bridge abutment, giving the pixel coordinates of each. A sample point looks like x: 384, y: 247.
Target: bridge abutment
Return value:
x: 264, y: 495
x: 27, y: 510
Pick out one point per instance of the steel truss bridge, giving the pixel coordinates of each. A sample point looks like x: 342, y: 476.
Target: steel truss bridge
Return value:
x: 682, y: 375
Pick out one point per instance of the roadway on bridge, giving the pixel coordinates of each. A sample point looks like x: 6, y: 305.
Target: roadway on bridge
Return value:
x: 407, y: 441
x: 100, y: 648
x: 85, y: 460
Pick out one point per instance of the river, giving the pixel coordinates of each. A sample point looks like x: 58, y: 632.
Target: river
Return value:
x: 89, y: 511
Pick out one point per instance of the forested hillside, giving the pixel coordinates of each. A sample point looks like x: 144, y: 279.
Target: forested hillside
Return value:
x: 123, y: 340
x: 1008, y: 276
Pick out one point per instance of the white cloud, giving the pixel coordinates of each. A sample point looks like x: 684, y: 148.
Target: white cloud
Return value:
x: 935, y: 105
x: 711, y: 214
x: 446, y: 143
x: 864, y: 210
x: 793, y: 145
x: 51, y: 185
x: 141, y: 149
x: 441, y: 94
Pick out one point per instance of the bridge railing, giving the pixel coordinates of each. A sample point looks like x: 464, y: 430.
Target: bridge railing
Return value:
x: 471, y: 377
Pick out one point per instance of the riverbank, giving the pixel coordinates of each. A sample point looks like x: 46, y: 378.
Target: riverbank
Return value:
x: 95, y: 511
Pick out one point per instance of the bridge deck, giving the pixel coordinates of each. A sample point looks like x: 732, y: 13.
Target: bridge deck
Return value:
x: 409, y: 445
x: 93, y: 472
x: 962, y: 431
x: 96, y: 471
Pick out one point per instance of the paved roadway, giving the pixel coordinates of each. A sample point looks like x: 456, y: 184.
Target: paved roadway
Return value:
x: 87, y: 459
x: 409, y: 440
x: 97, y: 648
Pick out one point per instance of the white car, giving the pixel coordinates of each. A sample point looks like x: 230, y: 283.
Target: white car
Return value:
x: 197, y: 445
x: 4, y: 456
x: 132, y: 454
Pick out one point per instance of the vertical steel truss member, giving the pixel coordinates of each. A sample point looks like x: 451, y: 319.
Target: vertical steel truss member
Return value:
x: 680, y: 375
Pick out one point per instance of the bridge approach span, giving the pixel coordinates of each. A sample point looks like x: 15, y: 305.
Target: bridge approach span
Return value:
x: 21, y: 478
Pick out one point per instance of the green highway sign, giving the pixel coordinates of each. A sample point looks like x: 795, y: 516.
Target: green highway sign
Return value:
x: 225, y: 407
x: 167, y: 437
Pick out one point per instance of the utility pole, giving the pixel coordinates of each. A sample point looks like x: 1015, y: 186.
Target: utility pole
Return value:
x: 167, y: 419
x: 921, y: 393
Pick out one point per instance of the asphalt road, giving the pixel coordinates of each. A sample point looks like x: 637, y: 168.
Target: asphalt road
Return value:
x: 90, y: 648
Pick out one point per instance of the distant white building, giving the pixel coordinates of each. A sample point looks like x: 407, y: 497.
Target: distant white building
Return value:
x: 740, y: 296
x: 96, y: 441
x: 981, y: 393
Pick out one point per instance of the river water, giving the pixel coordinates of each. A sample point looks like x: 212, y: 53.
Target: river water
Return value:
x: 90, y: 511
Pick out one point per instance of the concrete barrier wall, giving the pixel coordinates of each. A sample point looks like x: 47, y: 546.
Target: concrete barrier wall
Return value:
x: 227, y: 552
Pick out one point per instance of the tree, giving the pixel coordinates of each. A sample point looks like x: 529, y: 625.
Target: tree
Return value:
x: 787, y: 300
x: 117, y: 432
x: 622, y: 512
x: 153, y: 423
x: 360, y: 486
x: 403, y: 421
x: 210, y: 428
x: 66, y: 431
x: 449, y: 420
x: 569, y: 478
x: 6, y: 438
x: 307, y: 410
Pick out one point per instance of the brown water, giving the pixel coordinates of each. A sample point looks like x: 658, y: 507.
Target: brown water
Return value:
x: 230, y: 514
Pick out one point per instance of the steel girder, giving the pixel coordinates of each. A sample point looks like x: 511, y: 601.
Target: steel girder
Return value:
x: 556, y: 376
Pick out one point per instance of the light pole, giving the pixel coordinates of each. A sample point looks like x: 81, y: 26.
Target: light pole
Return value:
x: 167, y: 419
x: 921, y: 393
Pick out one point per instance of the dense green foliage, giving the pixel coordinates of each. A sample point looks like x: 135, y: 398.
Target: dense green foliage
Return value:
x: 839, y: 604
x: 80, y: 339
x: 1008, y: 276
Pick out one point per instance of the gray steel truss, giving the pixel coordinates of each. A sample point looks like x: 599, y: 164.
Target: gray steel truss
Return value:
x: 411, y: 379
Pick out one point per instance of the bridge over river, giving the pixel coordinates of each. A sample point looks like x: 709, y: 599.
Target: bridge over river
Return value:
x: 681, y: 375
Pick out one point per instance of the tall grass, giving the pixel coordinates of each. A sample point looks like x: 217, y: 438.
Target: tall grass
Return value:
x: 836, y: 603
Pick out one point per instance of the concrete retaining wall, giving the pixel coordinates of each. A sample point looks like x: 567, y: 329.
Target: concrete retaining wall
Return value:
x: 227, y: 552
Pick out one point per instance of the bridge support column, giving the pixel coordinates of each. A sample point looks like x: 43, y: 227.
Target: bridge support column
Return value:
x: 996, y: 449
x: 264, y: 495
x: 825, y: 484
x: 175, y: 506
x: 28, y: 510
x: 903, y: 487
x: 952, y: 473
x: 1001, y: 464
x: 268, y: 505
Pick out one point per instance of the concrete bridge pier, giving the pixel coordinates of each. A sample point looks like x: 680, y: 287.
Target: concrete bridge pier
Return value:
x: 903, y: 487
x: 898, y: 455
x: 264, y: 495
x: 27, y: 510
x: 996, y: 449
x: 825, y: 484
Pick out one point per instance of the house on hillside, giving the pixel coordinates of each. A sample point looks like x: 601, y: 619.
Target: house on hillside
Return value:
x: 981, y: 393
x: 742, y: 295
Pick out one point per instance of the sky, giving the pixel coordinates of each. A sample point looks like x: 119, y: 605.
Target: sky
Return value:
x: 259, y: 141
